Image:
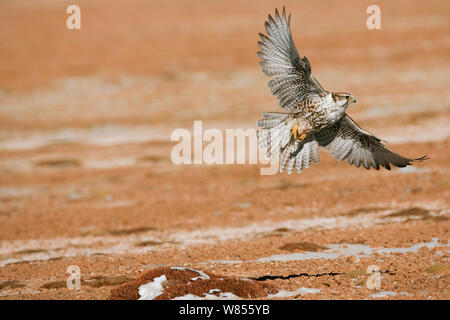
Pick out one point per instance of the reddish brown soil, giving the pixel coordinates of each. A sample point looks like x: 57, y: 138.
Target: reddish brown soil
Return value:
x: 86, y: 175
x: 179, y: 283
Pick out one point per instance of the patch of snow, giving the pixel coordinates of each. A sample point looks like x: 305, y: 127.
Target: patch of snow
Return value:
x: 153, y: 289
x: 346, y: 249
x: 383, y: 294
x: 221, y: 296
x: 202, y: 275
x: 334, y: 251
x: 226, y: 261
x: 214, y: 290
x: 107, y: 135
x: 301, y: 291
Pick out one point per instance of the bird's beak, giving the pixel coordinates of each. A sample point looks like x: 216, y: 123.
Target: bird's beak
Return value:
x: 351, y: 99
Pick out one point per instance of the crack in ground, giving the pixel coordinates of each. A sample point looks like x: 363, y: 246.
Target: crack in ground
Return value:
x: 264, y: 278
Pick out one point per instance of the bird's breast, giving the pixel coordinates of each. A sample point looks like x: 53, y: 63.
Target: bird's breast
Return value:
x: 322, y: 113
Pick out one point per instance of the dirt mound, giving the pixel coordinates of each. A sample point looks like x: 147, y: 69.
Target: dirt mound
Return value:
x: 184, y: 281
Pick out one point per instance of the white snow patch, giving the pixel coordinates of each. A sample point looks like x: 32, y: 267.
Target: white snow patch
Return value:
x: 221, y: 296
x: 301, y: 291
x: 107, y: 135
x: 202, y: 275
x: 214, y: 290
x: 153, y: 289
x: 383, y: 294
x: 226, y: 261
x: 345, y: 249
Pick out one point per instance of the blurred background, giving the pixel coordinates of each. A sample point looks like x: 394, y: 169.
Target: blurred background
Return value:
x: 86, y: 115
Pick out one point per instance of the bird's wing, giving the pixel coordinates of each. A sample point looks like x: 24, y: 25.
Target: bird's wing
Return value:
x: 346, y: 140
x: 292, y: 75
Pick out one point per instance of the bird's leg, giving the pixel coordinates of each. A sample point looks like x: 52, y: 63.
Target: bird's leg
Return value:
x: 297, y: 151
x: 295, y: 133
x: 302, y: 136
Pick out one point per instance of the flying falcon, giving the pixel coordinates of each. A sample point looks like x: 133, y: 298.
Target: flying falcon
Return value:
x: 315, y: 117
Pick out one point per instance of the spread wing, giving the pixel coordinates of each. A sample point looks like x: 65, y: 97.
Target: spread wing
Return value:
x: 292, y: 75
x: 346, y: 140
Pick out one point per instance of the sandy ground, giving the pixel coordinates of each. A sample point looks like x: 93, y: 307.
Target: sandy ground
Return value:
x: 86, y: 175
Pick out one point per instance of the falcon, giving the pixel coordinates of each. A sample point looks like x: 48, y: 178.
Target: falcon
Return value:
x: 315, y: 117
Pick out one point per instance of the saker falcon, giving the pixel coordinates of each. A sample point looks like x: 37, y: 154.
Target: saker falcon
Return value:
x: 315, y: 117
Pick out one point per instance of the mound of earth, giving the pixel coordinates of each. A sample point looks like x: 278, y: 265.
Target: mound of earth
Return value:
x: 183, y: 282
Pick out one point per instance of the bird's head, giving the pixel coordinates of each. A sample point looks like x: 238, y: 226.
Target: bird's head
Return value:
x: 343, y: 99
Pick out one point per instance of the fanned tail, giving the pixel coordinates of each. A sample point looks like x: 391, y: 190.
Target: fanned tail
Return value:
x: 275, y: 138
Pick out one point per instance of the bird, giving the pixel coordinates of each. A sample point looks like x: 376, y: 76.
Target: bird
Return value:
x: 315, y: 117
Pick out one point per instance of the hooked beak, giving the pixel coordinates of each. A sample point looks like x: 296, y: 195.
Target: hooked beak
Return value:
x: 351, y: 99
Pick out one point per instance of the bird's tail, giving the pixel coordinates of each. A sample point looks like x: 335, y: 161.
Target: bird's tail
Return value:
x: 271, y: 119
x: 275, y: 138
x: 298, y: 155
x: 274, y: 133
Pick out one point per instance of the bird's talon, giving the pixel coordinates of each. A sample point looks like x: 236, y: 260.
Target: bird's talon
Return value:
x: 295, y: 131
x: 302, y: 136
